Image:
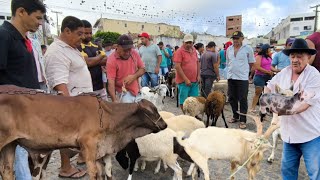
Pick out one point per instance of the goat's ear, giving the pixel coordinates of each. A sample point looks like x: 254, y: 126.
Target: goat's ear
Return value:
x: 249, y: 139
x: 277, y: 89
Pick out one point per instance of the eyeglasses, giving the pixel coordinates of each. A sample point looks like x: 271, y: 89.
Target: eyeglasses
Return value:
x: 189, y: 42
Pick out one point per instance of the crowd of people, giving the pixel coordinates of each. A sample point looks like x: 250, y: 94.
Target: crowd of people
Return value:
x: 74, y: 64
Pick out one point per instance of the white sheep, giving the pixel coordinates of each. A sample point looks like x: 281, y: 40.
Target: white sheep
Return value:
x: 156, y: 95
x: 194, y: 106
x: 166, y: 115
x: 220, y: 143
x: 183, y: 123
x: 157, y: 147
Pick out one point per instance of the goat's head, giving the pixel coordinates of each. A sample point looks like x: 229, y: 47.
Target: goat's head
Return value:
x: 162, y: 90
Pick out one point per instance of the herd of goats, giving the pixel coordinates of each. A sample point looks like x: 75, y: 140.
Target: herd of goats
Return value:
x: 133, y: 133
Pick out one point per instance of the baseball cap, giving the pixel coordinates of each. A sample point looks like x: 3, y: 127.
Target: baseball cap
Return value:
x: 160, y: 43
x: 237, y: 34
x: 125, y: 41
x: 145, y: 35
x: 266, y: 46
x: 188, y: 38
x: 290, y: 40
x: 259, y: 45
x: 211, y: 44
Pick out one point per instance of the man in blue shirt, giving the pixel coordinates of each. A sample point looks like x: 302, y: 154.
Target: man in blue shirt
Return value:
x: 280, y: 60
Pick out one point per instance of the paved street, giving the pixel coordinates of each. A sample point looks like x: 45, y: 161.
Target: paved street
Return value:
x: 219, y: 169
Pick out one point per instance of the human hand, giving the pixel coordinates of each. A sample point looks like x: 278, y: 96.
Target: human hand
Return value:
x: 129, y: 79
x: 188, y: 82
x: 218, y: 79
x: 103, y: 68
x: 156, y: 70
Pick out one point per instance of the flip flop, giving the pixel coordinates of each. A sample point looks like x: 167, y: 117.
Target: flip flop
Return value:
x: 242, y: 125
x: 76, y: 175
x: 233, y: 120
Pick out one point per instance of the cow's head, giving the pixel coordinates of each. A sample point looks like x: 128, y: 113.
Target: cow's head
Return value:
x: 150, y: 117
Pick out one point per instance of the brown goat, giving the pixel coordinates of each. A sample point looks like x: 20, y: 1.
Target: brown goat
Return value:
x: 214, y: 107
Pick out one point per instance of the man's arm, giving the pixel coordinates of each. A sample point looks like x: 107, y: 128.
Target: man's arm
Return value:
x: 112, y: 90
x: 216, y: 68
x: 311, y: 46
x: 166, y: 53
x: 94, y: 61
x: 181, y: 73
x: 159, y: 60
x: 129, y: 79
x: 63, y: 88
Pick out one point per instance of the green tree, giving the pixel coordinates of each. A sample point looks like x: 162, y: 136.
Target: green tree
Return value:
x: 107, y: 36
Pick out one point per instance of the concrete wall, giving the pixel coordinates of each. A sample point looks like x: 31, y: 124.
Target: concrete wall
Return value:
x: 124, y: 27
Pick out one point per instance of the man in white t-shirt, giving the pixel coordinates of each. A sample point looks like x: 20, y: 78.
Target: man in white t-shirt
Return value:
x: 68, y: 72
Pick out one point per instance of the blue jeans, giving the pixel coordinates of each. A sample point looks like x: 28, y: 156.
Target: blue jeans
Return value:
x: 21, y: 165
x: 148, y: 78
x: 291, y: 159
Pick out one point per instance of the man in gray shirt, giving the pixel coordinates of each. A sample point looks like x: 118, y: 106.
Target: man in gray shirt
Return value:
x: 209, y: 69
x: 152, y: 57
x: 239, y: 62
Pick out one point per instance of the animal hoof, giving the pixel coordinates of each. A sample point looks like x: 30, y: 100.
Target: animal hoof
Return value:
x: 270, y: 160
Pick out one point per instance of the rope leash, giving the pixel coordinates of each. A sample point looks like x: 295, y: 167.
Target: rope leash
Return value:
x: 257, y: 146
x: 124, y: 90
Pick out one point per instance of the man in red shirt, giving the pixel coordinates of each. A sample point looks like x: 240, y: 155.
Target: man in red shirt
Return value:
x: 188, y: 70
x: 124, y: 67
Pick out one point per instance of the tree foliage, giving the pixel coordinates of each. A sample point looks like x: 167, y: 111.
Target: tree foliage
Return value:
x: 107, y: 36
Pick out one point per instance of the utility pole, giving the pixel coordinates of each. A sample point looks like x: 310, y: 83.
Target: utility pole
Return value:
x: 57, y: 14
x: 316, y: 18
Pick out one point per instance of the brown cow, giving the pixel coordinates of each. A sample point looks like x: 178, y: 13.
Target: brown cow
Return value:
x: 42, y: 123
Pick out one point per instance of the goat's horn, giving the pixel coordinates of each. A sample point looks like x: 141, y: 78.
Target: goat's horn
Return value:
x: 270, y: 130
x: 256, y: 120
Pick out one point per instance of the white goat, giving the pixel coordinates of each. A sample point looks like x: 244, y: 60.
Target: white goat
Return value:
x: 220, y: 143
x: 156, y: 96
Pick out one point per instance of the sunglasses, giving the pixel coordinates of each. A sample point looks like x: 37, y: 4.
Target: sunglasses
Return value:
x: 189, y: 42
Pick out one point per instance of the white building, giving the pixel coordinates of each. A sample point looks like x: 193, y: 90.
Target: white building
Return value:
x: 293, y: 26
x: 4, y: 17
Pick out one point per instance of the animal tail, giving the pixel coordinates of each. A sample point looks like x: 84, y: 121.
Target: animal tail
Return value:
x: 181, y: 137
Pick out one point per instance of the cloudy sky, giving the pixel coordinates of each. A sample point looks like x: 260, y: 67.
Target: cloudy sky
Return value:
x: 201, y: 16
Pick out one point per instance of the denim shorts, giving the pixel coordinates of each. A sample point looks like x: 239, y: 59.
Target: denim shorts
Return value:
x: 261, y: 80
x: 187, y: 91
